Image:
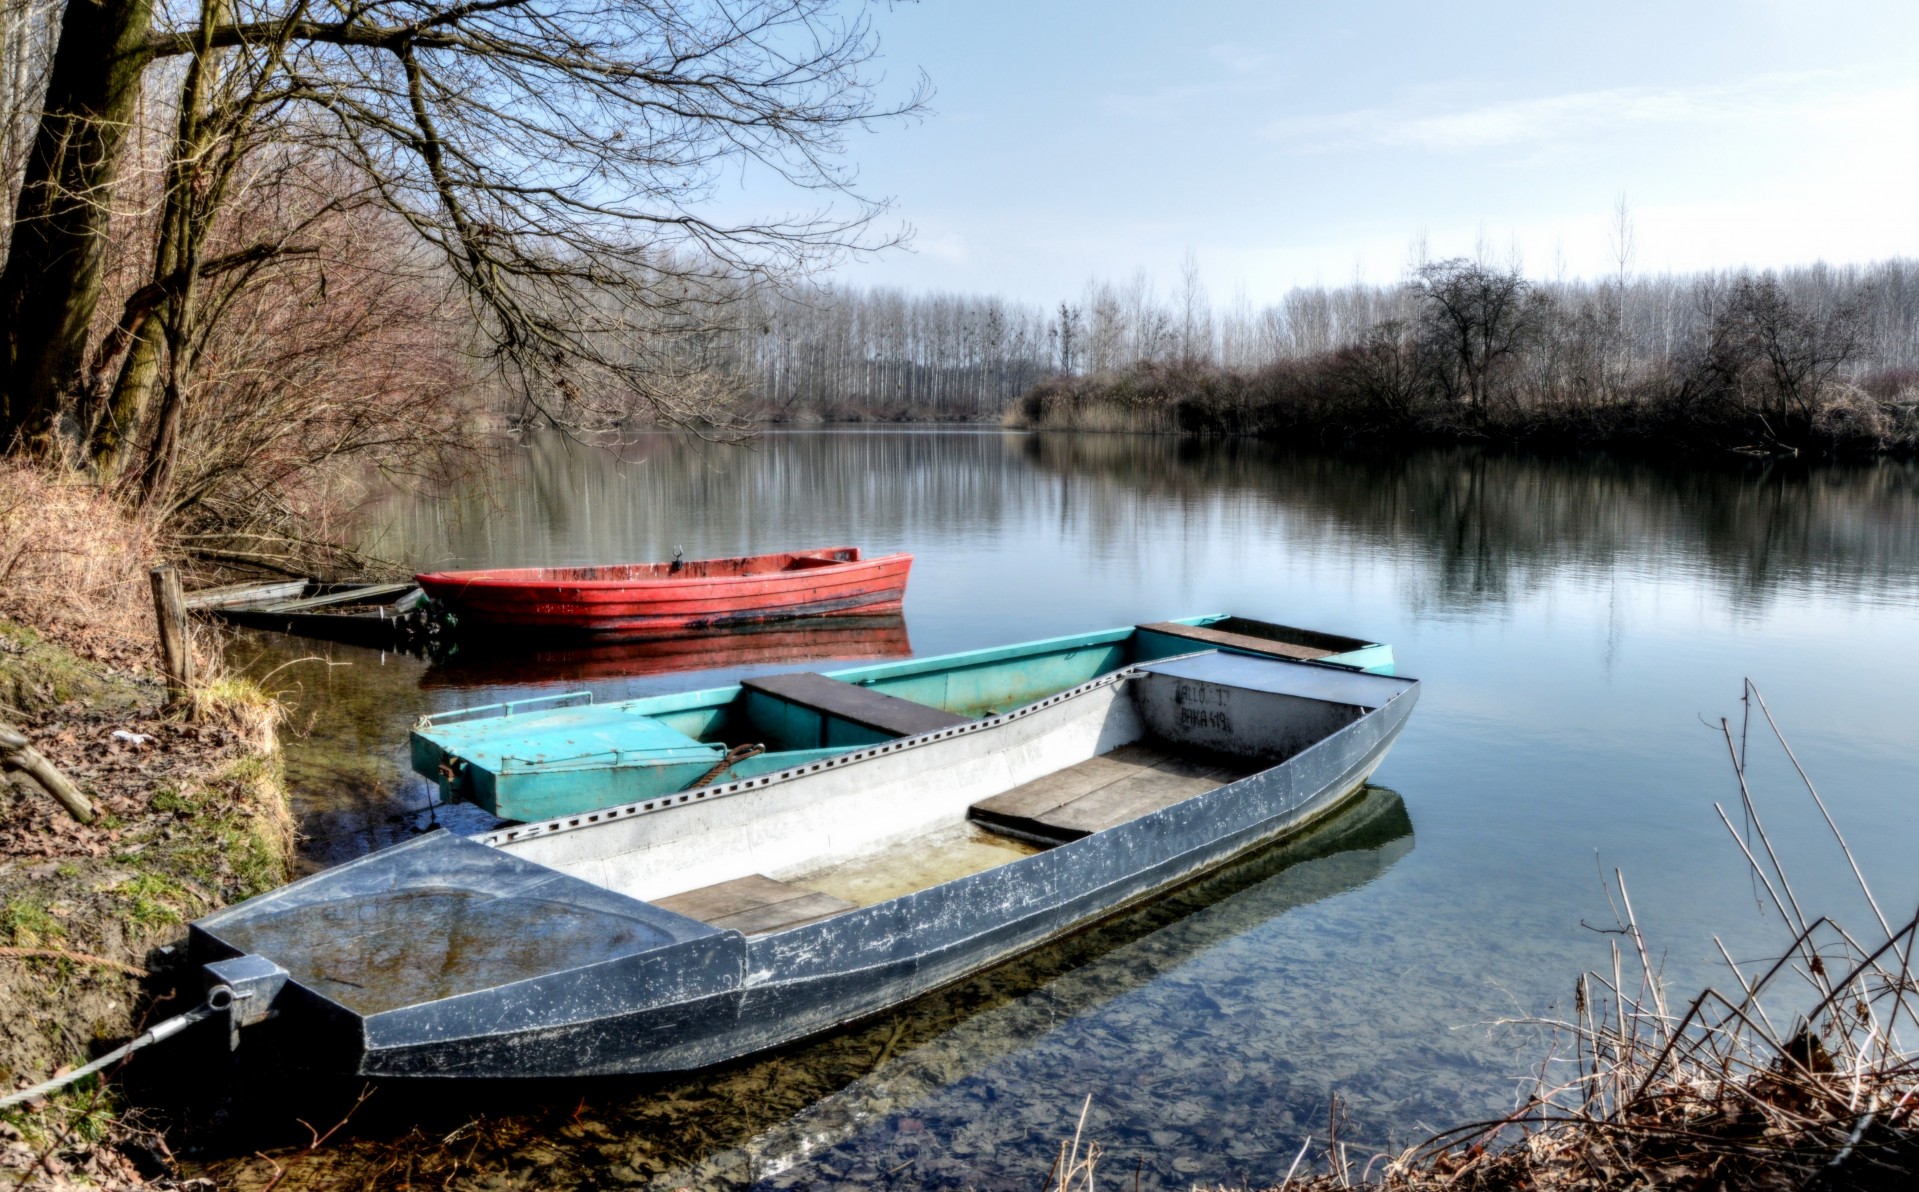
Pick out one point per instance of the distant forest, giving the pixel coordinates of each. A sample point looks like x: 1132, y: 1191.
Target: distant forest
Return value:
x: 1822, y: 358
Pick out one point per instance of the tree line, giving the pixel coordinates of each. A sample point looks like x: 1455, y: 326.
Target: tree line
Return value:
x: 1822, y: 358
x: 1819, y: 359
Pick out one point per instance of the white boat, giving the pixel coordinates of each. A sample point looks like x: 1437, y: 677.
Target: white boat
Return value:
x: 696, y: 927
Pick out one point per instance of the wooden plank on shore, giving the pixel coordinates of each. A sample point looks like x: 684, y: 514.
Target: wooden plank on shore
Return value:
x: 859, y: 705
x: 243, y: 595
x: 366, y: 594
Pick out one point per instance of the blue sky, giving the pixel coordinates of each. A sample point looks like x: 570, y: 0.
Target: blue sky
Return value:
x: 1288, y: 144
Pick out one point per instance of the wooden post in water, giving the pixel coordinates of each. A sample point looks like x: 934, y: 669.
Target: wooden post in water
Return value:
x: 176, y: 649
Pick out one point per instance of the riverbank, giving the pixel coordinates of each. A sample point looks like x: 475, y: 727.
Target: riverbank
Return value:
x: 190, y: 814
x: 1348, y: 398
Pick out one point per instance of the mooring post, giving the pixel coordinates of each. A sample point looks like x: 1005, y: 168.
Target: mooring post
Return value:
x: 176, y: 649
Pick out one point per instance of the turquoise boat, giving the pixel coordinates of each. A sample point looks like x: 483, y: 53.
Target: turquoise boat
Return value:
x: 565, y: 755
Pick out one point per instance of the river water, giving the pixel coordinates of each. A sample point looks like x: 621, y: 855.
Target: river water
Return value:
x: 1581, y: 626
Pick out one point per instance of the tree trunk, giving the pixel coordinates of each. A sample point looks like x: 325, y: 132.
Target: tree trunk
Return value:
x: 196, y: 178
x: 57, y: 251
x: 119, y: 422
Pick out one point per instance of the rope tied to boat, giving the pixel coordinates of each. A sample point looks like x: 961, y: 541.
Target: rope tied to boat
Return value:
x: 163, y: 1030
x: 734, y: 757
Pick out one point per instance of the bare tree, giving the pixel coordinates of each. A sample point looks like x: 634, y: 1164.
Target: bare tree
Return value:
x: 1066, y: 332
x: 1475, y: 318
x: 1386, y: 371
x: 1773, y: 357
x: 1195, y: 313
x: 554, y: 156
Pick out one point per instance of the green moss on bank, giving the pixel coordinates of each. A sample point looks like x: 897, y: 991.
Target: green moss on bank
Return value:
x: 37, y: 676
x: 190, y: 821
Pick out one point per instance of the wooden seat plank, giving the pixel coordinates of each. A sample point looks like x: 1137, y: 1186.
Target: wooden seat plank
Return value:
x: 1102, y: 792
x: 1239, y: 641
x: 860, y: 705
x: 754, y: 905
x: 1034, y: 799
x: 1142, y: 794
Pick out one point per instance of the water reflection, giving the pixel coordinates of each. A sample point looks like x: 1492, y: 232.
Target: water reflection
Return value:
x: 484, y: 665
x: 1484, y: 526
x: 1489, y: 527
x: 807, y: 1114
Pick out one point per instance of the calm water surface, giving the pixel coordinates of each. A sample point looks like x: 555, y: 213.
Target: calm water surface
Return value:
x: 1580, y: 625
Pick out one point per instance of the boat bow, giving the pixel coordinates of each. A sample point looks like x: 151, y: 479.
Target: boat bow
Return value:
x: 403, y: 952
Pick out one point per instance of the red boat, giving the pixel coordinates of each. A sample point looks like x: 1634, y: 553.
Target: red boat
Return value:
x: 639, y: 599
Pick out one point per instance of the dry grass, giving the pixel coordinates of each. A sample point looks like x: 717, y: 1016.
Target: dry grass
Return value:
x: 1804, y: 1075
x: 73, y: 565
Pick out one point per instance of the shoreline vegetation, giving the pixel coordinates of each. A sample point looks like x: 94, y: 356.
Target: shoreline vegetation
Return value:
x: 189, y: 814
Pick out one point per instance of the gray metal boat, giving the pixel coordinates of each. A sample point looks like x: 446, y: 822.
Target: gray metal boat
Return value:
x: 694, y: 928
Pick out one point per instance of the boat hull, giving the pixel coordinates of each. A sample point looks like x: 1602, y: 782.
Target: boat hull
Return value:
x: 705, y: 594
x: 813, y: 978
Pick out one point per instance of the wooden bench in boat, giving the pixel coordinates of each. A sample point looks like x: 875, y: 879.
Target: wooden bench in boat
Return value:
x: 860, y: 705
x: 1102, y: 792
x: 1240, y: 641
x: 755, y: 904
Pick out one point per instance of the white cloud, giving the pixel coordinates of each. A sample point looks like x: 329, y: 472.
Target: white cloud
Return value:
x: 1774, y: 100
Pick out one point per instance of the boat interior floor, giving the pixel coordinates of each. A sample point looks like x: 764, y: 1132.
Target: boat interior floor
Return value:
x: 1105, y: 791
x: 754, y: 904
x: 946, y: 854
x: 1064, y: 805
x: 758, y: 904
